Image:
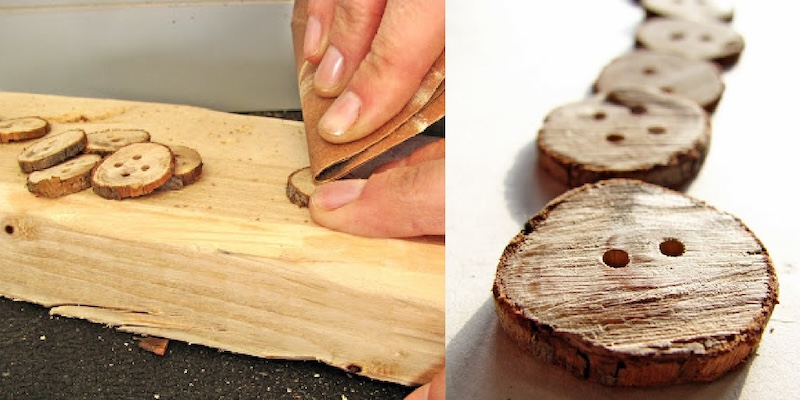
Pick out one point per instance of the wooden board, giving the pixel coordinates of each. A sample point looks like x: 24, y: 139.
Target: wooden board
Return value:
x: 227, y: 262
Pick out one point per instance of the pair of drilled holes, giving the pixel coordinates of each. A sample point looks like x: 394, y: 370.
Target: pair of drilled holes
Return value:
x: 617, y: 258
x: 135, y: 157
x: 677, y: 36
x: 650, y: 70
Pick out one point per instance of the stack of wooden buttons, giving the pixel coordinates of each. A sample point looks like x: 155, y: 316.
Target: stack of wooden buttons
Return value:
x: 623, y: 280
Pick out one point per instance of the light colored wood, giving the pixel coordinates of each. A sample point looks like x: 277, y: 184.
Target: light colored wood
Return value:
x: 22, y: 128
x: 110, y: 140
x: 695, y: 10
x: 300, y: 186
x: 188, y: 164
x: 51, y: 150
x: 627, y: 283
x: 698, y: 80
x: 227, y: 262
x: 626, y: 133
x: 715, y: 41
x: 69, y: 177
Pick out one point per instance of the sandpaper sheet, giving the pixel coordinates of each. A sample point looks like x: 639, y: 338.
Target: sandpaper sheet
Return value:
x: 330, y: 161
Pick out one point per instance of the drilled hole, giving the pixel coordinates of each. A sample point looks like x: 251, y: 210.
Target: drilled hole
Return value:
x: 657, y: 130
x: 672, y: 247
x: 354, y: 368
x: 616, y: 258
x: 145, y: 167
x: 125, y: 174
x: 676, y: 36
x: 116, y: 140
x: 667, y: 89
x: 137, y: 157
x: 117, y: 165
x: 649, y: 70
x: 706, y: 37
x: 732, y: 45
x: 615, y: 137
x: 9, y: 229
x: 599, y: 116
x: 638, y: 109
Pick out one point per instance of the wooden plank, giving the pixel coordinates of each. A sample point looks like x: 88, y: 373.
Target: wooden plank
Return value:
x: 227, y: 262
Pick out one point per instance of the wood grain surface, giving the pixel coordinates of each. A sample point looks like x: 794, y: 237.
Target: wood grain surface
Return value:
x: 627, y: 283
x: 625, y: 133
x: 226, y: 262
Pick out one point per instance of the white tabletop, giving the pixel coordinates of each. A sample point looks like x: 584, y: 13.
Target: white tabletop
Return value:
x: 510, y: 63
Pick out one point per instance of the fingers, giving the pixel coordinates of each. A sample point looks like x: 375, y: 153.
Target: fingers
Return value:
x: 351, y: 25
x: 431, y: 391
x: 400, y: 202
x: 318, y: 25
x: 386, y: 74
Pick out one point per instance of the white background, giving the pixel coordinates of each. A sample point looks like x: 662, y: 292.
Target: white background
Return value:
x: 509, y: 64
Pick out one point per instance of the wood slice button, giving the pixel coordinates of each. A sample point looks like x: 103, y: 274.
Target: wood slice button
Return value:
x: 627, y: 133
x: 15, y: 129
x: 713, y: 41
x: 300, y: 186
x: 698, y: 80
x: 52, y: 150
x: 71, y: 176
x: 696, y: 10
x: 134, y: 170
x: 188, y: 164
x: 111, y: 140
x: 627, y: 283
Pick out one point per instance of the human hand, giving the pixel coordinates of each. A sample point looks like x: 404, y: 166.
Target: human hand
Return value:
x: 404, y: 198
x: 431, y: 391
x: 372, y: 56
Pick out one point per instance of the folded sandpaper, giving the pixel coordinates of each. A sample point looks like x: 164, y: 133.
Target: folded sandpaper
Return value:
x: 330, y: 161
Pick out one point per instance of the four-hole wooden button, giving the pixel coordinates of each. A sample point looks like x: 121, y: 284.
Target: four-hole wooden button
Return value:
x: 628, y: 133
x: 627, y: 283
x: 698, y: 80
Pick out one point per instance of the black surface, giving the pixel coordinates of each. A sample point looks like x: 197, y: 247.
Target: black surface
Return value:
x: 50, y: 357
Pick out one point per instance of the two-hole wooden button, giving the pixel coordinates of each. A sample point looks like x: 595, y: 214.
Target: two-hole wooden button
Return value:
x: 709, y: 40
x: 627, y: 283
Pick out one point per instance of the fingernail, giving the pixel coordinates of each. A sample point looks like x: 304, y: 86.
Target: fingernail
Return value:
x: 339, y: 117
x: 330, y: 70
x: 331, y: 196
x: 313, y: 37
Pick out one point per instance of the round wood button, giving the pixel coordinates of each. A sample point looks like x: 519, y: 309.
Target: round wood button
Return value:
x: 134, y: 170
x: 714, y: 41
x: 52, y: 150
x: 25, y: 128
x: 627, y: 133
x: 108, y: 141
x: 697, y: 10
x: 698, y: 80
x: 631, y: 284
x: 71, y: 176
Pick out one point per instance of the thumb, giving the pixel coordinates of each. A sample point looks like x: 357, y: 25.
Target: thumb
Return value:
x: 399, y: 202
x: 435, y: 390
